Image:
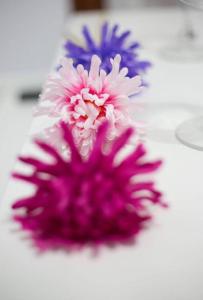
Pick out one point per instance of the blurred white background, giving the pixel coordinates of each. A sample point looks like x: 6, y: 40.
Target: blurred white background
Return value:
x: 30, y: 32
x: 139, y: 3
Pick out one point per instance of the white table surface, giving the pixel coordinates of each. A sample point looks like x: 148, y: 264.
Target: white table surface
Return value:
x: 15, y: 118
x: 167, y: 260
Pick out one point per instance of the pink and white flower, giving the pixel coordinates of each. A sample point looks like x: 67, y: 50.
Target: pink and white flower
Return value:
x: 85, y: 99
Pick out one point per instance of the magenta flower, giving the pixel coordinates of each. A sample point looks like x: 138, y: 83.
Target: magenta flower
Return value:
x: 100, y: 200
x: 84, y: 99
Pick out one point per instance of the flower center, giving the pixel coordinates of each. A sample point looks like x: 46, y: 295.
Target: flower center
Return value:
x: 86, y: 108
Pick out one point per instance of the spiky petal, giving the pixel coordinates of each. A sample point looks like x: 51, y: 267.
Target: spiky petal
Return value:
x: 95, y: 201
x: 110, y: 44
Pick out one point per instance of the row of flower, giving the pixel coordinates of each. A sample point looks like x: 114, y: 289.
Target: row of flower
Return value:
x: 86, y: 194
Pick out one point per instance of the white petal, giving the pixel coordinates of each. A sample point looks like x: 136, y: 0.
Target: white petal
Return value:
x: 94, y: 67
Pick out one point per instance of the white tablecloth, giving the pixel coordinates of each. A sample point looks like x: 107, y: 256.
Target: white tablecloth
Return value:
x: 167, y: 260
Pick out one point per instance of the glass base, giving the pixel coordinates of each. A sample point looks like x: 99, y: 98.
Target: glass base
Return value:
x: 183, y: 53
x: 190, y: 133
x: 160, y: 120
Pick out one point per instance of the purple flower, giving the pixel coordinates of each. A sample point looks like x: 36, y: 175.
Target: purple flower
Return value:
x: 111, y: 43
x: 95, y: 201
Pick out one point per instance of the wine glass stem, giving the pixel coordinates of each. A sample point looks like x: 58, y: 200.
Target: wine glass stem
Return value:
x: 189, y: 32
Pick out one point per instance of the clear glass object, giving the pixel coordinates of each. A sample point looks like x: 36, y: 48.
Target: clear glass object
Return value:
x: 190, y: 132
x: 194, y: 3
x: 186, y: 48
